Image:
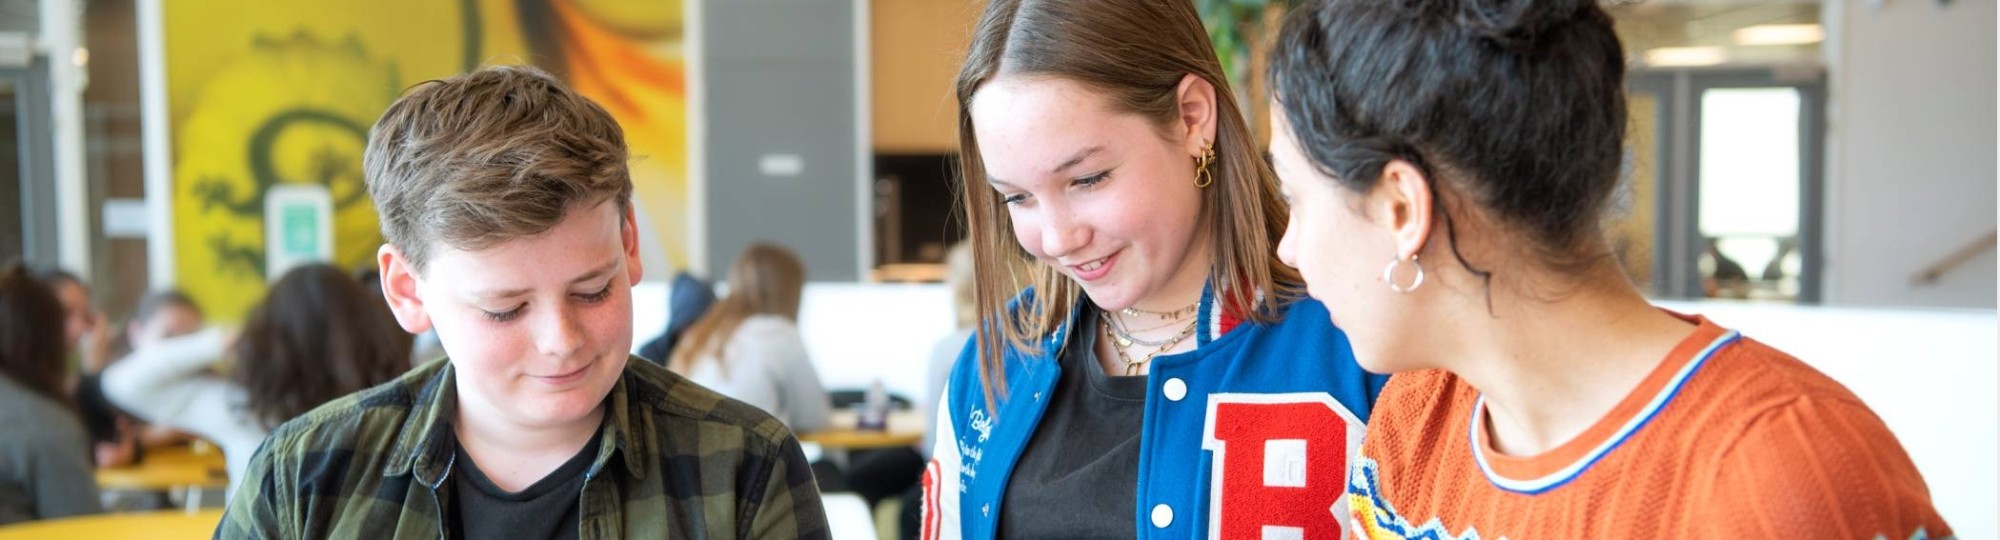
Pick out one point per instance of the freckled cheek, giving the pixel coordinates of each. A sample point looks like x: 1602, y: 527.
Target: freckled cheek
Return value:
x: 484, y: 355
x: 1027, y: 235
x: 611, y: 323
x: 1163, y: 225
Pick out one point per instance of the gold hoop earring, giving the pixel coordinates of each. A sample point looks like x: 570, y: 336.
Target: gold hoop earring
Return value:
x: 1389, y: 275
x: 1203, y: 178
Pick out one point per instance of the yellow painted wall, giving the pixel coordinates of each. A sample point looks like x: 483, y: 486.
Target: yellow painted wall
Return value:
x: 264, y: 92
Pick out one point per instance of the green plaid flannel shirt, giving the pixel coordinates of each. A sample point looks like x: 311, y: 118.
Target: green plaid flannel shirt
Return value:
x: 676, y: 461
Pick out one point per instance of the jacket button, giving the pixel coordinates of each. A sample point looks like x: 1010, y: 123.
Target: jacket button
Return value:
x: 1038, y: 396
x: 1163, y: 516
x: 1175, y: 389
x: 986, y: 510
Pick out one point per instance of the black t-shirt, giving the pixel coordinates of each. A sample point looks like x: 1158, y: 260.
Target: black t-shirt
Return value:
x: 550, y: 508
x: 1079, y: 476
x: 99, y: 416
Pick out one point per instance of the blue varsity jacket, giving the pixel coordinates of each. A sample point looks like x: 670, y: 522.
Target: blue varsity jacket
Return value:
x: 1249, y: 433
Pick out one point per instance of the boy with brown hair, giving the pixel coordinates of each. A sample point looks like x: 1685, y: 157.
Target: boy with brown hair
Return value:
x: 506, y: 206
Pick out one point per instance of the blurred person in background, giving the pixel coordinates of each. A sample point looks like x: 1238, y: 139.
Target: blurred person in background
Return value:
x: 45, y: 457
x: 748, y: 345
x: 119, y: 439
x: 86, y: 332
x: 163, y: 314
x: 687, y: 300
x: 316, y: 336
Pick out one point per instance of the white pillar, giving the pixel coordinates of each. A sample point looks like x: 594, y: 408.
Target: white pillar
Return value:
x: 61, y: 32
x: 158, y: 152
x: 692, y: 49
x: 864, y: 147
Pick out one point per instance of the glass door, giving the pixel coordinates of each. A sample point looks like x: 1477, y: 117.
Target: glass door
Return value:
x: 27, y: 176
x: 1750, y: 177
x: 1722, y: 185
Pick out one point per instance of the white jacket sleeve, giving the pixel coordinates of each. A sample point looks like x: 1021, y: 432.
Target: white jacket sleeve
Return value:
x: 161, y: 384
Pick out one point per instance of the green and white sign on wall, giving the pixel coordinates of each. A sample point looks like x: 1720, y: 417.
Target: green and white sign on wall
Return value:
x: 298, y: 227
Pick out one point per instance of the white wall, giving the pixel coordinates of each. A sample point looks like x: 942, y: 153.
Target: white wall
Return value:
x: 856, y: 332
x: 1911, y: 174
x: 860, y: 332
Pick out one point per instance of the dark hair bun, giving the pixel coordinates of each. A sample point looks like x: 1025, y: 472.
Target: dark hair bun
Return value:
x: 1520, y: 104
x: 1518, y: 25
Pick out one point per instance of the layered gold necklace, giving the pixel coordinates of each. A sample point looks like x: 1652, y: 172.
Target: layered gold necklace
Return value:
x: 1123, y: 339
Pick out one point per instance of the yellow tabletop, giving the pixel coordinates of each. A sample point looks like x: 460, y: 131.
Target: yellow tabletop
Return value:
x: 161, y: 525
x: 185, y: 454
x: 854, y: 439
x: 168, y: 468
x: 906, y: 428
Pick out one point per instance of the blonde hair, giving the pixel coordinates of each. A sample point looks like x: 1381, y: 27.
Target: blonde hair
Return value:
x: 1135, y: 53
x: 962, y: 279
x: 488, y: 156
x: 765, y: 280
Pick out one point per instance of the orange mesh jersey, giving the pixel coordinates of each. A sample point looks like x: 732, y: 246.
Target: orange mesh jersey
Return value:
x: 1727, y: 438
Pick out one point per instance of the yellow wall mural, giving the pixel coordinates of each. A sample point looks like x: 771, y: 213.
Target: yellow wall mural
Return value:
x: 264, y: 92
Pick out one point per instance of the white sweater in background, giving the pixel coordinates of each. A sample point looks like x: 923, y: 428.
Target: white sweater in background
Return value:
x: 169, y: 384
x: 766, y: 366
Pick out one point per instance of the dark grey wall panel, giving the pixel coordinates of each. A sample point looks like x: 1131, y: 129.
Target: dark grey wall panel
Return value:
x: 779, y: 77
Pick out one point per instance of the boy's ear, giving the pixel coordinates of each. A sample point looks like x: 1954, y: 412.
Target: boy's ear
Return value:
x: 628, y: 233
x: 399, y: 287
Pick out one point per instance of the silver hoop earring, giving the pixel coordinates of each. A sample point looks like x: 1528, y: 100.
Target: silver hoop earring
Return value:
x: 1389, y: 275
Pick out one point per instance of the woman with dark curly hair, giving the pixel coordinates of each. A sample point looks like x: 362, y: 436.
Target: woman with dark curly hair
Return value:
x: 316, y: 336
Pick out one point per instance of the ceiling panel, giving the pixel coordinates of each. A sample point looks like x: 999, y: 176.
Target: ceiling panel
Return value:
x: 1711, y: 23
